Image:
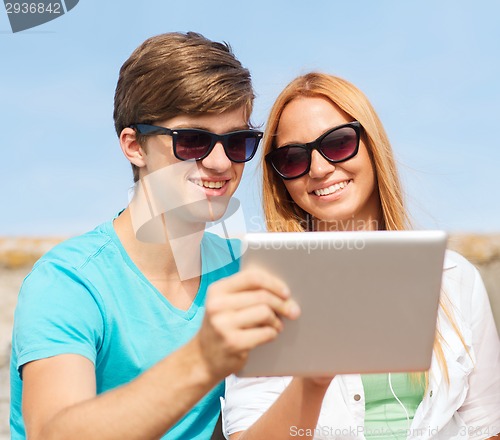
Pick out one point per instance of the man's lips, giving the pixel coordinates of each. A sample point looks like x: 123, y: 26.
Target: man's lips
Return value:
x: 215, y: 183
x: 216, y: 186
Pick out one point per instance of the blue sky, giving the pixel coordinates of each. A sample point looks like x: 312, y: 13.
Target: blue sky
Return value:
x: 430, y: 68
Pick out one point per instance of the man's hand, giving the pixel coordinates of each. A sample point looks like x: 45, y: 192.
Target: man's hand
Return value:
x: 242, y: 312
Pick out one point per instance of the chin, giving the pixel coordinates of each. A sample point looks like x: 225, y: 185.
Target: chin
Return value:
x: 209, y: 210
x: 337, y: 221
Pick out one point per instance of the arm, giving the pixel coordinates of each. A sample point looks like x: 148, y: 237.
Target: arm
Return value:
x: 294, y: 414
x: 59, y: 398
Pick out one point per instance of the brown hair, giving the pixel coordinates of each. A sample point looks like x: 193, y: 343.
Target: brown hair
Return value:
x: 176, y: 73
x: 281, y: 212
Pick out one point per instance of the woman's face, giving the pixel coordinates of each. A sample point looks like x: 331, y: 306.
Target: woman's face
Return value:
x: 341, y: 196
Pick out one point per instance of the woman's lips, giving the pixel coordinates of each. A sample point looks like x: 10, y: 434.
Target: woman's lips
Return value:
x: 334, y: 188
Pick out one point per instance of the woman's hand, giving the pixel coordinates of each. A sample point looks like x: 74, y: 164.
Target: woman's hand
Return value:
x: 323, y: 381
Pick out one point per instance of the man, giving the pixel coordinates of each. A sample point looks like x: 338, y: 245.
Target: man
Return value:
x: 110, y: 339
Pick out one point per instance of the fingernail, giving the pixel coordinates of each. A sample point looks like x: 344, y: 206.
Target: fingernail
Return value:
x: 286, y: 292
x: 293, y: 309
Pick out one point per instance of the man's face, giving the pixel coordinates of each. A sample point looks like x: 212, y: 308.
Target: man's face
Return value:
x: 197, y: 191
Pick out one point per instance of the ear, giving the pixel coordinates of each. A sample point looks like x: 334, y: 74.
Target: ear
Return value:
x: 131, y: 148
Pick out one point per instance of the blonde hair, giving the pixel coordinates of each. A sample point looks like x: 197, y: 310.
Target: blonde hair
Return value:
x: 282, y: 214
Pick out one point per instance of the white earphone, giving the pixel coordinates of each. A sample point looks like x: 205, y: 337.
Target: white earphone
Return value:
x: 399, y: 401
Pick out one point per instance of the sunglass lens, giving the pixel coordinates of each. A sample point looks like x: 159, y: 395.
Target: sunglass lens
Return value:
x: 241, y: 146
x: 340, y: 144
x: 192, y: 145
x: 290, y: 161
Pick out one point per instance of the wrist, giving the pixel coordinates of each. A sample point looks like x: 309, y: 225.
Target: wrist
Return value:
x: 316, y: 384
x: 201, y: 368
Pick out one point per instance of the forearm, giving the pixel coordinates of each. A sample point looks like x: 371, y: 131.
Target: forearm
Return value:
x: 143, y: 409
x: 295, y: 411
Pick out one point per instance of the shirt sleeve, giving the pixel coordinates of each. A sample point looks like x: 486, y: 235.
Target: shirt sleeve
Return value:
x: 246, y: 399
x: 56, y: 314
x: 481, y: 408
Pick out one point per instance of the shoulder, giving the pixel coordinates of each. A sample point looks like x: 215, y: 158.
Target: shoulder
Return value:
x: 78, y: 251
x: 454, y: 260
x: 73, y: 259
x: 464, y: 287
x: 459, y: 273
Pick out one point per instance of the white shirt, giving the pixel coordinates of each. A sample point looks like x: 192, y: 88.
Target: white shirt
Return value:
x: 467, y: 407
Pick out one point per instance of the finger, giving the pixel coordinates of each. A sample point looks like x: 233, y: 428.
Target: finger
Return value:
x: 242, y: 300
x: 253, y: 279
x: 256, y: 316
x: 250, y: 338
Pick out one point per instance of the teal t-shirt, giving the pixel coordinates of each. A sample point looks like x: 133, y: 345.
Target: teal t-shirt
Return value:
x: 87, y: 297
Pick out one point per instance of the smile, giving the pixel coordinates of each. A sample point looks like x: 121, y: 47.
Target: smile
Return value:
x: 209, y: 184
x: 332, y: 189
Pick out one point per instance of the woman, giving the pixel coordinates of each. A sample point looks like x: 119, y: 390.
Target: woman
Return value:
x: 329, y: 166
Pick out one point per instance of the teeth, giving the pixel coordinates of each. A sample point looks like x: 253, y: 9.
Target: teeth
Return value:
x: 331, y: 189
x: 210, y: 184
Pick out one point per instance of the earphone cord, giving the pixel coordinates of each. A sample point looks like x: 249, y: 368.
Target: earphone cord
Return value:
x: 401, y: 403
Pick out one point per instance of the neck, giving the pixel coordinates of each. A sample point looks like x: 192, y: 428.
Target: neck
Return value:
x: 168, y: 260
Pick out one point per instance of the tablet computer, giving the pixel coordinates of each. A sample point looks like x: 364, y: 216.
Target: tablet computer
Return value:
x: 369, y: 301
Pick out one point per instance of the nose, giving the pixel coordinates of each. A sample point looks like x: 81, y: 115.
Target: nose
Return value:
x: 320, y: 167
x: 217, y: 159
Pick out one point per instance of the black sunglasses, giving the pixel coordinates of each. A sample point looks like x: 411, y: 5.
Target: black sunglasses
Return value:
x: 194, y: 144
x: 335, y: 145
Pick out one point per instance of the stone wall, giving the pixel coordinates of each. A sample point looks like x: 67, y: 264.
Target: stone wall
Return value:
x: 18, y: 254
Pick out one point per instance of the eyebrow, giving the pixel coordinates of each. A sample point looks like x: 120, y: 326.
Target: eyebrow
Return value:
x: 287, y: 143
x: 275, y: 142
